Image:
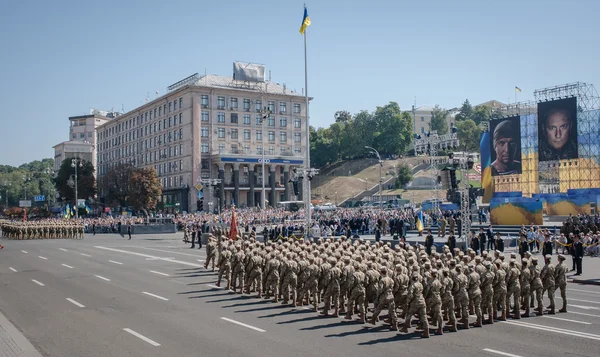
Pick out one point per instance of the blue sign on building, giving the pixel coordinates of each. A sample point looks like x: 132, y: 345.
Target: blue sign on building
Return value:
x: 259, y: 160
x: 40, y: 198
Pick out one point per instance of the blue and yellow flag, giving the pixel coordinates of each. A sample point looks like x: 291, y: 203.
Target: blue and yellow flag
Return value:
x: 516, y: 88
x: 420, y: 221
x: 487, y: 182
x: 305, y: 21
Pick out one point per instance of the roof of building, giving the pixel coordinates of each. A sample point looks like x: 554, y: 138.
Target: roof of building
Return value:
x: 424, y: 108
x: 491, y: 103
x: 226, y: 82
x: 73, y: 142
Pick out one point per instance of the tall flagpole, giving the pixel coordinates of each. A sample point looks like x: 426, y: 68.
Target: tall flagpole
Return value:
x: 307, y: 208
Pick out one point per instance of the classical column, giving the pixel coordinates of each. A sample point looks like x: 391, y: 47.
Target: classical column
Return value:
x: 272, y: 182
x: 221, y: 185
x: 286, y: 184
x: 236, y: 183
x: 251, y: 181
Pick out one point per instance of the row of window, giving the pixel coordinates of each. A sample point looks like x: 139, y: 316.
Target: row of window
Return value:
x: 247, y: 119
x: 171, y: 182
x: 247, y: 134
x: 169, y: 167
x: 235, y: 149
x: 247, y: 104
x: 131, y: 150
x: 155, y: 141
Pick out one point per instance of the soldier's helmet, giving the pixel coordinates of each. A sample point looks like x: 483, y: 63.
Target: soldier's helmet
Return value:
x: 561, y: 257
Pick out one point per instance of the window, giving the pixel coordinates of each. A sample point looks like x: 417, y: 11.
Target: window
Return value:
x: 220, y: 117
x: 297, y: 108
x: 175, y: 181
x: 204, y: 101
x: 297, y: 150
x: 247, y: 119
x: 221, y: 148
x: 180, y: 118
x: 234, y: 118
x: 422, y: 118
x: 297, y: 123
x: 271, y: 121
x: 283, y: 122
x: 180, y: 168
x: 258, y: 105
x: 180, y: 103
x: 204, y: 116
x: 283, y: 150
x: 180, y: 134
x: 89, y: 135
x: 170, y: 154
x: 175, y: 135
x: 154, y: 113
x: 234, y: 133
x: 246, y: 149
x: 271, y: 136
x: 271, y: 150
x: 422, y: 130
x: 169, y: 107
x: 259, y: 135
x: 221, y: 133
x: 234, y: 103
x: 247, y: 105
x: 271, y: 106
x: 165, y: 123
x: 283, y: 136
x: 282, y: 107
x: 259, y: 150
x: 204, y: 147
x: 170, y: 136
x: 234, y: 149
x: 170, y: 122
x: 258, y: 120
x: 221, y: 103
x: 297, y: 137
x: 246, y: 134
x: 82, y: 135
x: 204, y: 132
x: 155, y: 127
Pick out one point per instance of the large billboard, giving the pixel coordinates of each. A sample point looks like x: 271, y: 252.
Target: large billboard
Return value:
x: 505, y: 146
x: 557, y: 130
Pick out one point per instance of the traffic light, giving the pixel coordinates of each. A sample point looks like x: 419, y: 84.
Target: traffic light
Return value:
x: 296, y: 189
x: 200, y: 205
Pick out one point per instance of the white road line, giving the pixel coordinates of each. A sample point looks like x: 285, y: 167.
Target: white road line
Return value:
x: 85, y: 255
x: 24, y: 251
x: 561, y: 319
x: 159, y: 273
x: 150, y: 256
x: 67, y: 266
x: 75, y: 302
x: 156, y: 296
x: 243, y: 324
x: 584, y: 307
x: 200, y: 260
x: 172, y: 252
x: 584, y: 291
x: 112, y: 261
x: 500, y: 352
x: 39, y: 256
x: 63, y: 249
x: 13, y: 269
x: 142, y: 337
x: 555, y: 330
x: 214, y: 286
x: 584, y: 314
x: 37, y: 282
x: 588, y: 301
x: 101, y: 277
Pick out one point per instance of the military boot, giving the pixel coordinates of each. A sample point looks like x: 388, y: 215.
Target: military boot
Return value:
x: 490, y: 320
x: 425, y: 333
x: 394, y: 326
x: 336, y: 313
x: 564, y: 307
x: 539, y: 312
x: 404, y: 329
x: 362, y: 318
x: 517, y: 315
x: 373, y: 320
x: 440, y: 330
x: 551, y: 311
x: 478, y: 323
x: 465, y: 322
x: 452, y: 327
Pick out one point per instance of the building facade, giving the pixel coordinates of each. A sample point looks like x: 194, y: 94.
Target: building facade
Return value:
x: 422, y: 119
x: 213, y: 127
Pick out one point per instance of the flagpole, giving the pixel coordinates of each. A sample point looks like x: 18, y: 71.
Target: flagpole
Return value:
x: 307, y: 164
x: 516, y: 101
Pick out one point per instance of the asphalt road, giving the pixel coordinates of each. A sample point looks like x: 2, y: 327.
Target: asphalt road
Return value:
x: 149, y: 296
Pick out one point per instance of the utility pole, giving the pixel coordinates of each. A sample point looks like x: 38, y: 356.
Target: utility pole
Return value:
x: 380, y: 175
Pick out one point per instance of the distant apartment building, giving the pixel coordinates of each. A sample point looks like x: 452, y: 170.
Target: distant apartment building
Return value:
x: 422, y: 119
x: 212, y: 127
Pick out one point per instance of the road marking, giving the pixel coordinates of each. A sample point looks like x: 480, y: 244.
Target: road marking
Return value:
x: 150, y: 256
x: 200, y: 260
x: 142, y: 337
x: 156, y: 296
x: 500, y: 352
x: 243, y: 324
x: 75, y: 302
x: 112, y: 261
x: 584, y: 314
x: 85, y: 255
x: 39, y: 256
x: 67, y: 266
x: 159, y: 273
x: 588, y: 301
x: 171, y: 252
x: 37, y: 282
x: 169, y: 258
x: 63, y: 249
x: 101, y: 277
x: 584, y: 307
x: 555, y: 330
x: 585, y: 291
x: 24, y: 251
x: 13, y: 269
x: 561, y: 319
x: 214, y: 286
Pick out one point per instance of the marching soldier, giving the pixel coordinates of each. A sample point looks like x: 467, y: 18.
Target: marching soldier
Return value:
x: 548, y: 283
x: 560, y: 280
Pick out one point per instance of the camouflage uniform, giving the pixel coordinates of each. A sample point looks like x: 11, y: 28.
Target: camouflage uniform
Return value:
x: 225, y: 267
x: 525, y: 281
x: 332, y: 289
x: 560, y: 280
x: 475, y: 294
x: 416, y: 304
x: 536, y: 286
x: 487, y: 291
x: 547, y: 276
x: 513, y: 289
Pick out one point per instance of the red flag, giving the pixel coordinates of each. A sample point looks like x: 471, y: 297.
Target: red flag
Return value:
x: 233, y: 230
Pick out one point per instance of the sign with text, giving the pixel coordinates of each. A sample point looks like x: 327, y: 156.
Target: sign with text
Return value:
x: 24, y: 203
x: 40, y: 198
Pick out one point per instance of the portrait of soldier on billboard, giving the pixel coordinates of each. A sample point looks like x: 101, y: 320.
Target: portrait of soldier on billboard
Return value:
x: 506, y: 147
x: 557, y: 130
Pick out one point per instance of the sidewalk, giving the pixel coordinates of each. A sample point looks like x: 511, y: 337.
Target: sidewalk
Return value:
x: 590, y: 274
x: 12, y: 341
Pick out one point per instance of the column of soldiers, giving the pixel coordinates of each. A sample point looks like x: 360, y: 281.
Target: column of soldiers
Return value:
x: 355, y: 278
x: 42, y: 230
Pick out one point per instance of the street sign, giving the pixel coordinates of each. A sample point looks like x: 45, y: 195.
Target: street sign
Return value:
x: 199, y: 187
x: 81, y: 203
x: 199, y: 195
x: 24, y: 203
x: 40, y: 198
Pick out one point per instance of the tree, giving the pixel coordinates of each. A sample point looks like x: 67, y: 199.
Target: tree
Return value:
x: 393, y: 129
x: 404, y: 175
x: 481, y: 114
x: 115, y: 185
x: 145, y: 189
x: 86, y: 183
x: 438, y: 120
x: 466, y: 111
x: 342, y: 116
x: 468, y: 135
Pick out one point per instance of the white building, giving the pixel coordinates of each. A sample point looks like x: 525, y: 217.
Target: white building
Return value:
x: 422, y: 119
x: 211, y: 127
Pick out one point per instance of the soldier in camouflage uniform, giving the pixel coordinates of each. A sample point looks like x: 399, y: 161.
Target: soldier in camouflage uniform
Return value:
x: 513, y: 289
x: 487, y: 291
x: 547, y: 276
x: 416, y: 304
x: 356, y: 286
x: 475, y: 294
x: 560, y: 279
x: 448, y: 298
x: 536, y: 286
x: 385, y: 298
x: 461, y: 295
x: 434, y: 301
x: 239, y: 269
x: 332, y: 289
x: 224, y: 267
x: 525, y: 282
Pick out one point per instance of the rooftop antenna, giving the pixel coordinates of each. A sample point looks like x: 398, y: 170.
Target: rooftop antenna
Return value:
x: 269, y: 75
x: 122, y: 108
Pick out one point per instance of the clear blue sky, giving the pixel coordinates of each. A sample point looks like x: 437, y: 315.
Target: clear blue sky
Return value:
x: 59, y: 58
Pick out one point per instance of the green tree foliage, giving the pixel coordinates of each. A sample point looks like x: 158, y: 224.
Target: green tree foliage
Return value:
x: 34, y: 178
x: 86, y: 183
x: 393, y: 130
x: 115, y: 185
x: 468, y: 135
x: 438, y: 120
x: 466, y: 111
x: 481, y: 114
x: 342, y: 116
x: 145, y: 189
x: 404, y: 176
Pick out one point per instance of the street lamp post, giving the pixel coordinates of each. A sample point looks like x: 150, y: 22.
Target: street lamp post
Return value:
x: 76, y: 163
x: 380, y: 177
x: 266, y: 114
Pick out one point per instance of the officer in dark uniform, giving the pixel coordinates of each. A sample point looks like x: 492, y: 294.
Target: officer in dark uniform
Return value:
x: 482, y: 239
x: 451, y: 243
x: 499, y: 242
x: 578, y: 255
x: 428, y: 242
x: 523, y: 245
